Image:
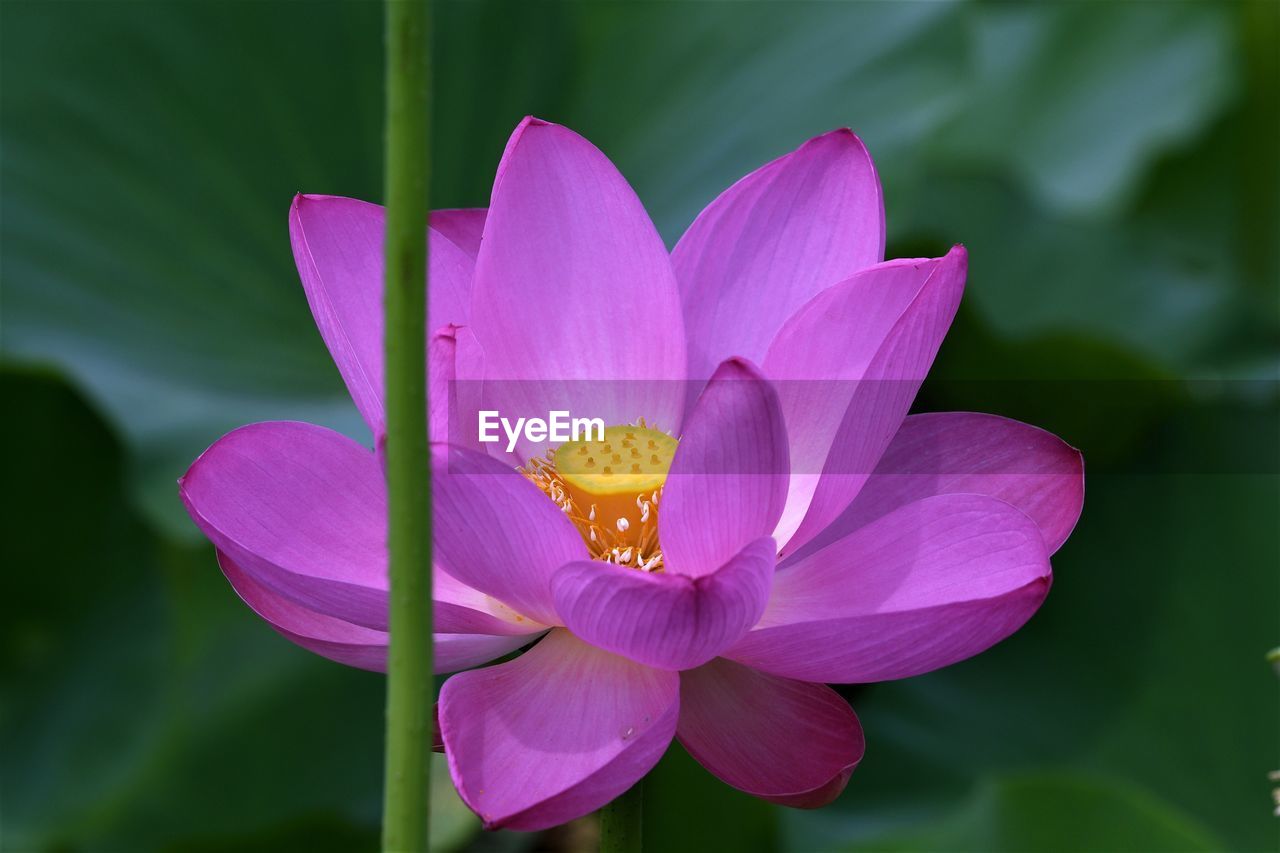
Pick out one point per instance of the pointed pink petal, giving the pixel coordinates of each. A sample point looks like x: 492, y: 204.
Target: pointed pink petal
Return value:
x: 665, y: 620
x: 789, y: 742
x: 847, y: 366
x: 355, y: 645
x: 462, y: 226
x: 300, y: 508
x: 555, y: 733
x: 337, y: 245
x: 572, y: 284
x: 962, y: 452
x: 498, y: 533
x: 932, y: 583
x: 728, y: 481
x: 774, y: 240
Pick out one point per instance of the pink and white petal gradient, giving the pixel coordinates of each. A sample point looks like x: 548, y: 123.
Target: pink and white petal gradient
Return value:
x: 929, y: 584
x: 966, y: 453
x: 337, y: 245
x: 496, y: 532
x: 355, y: 645
x: 555, y: 733
x: 575, y: 303
x: 298, y: 514
x: 774, y: 240
x: 302, y: 510
x: 728, y: 480
x: 848, y: 365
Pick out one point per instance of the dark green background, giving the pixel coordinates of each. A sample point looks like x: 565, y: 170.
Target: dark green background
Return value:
x: 1112, y: 169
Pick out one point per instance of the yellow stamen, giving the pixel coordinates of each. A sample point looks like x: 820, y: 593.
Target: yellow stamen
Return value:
x: 616, y: 512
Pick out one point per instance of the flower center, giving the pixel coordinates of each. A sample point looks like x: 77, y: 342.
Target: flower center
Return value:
x: 610, y: 490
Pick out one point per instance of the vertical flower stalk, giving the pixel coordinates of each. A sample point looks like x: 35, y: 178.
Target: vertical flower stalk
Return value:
x: 620, y: 822
x: 409, y: 671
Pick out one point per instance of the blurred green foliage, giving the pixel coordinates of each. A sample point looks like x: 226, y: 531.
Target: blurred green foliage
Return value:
x: 1111, y: 169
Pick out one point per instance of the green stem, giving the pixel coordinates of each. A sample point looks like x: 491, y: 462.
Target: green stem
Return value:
x: 620, y: 822
x: 410, y: 713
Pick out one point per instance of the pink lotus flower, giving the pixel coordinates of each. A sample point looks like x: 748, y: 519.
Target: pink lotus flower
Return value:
x: 798, y: 533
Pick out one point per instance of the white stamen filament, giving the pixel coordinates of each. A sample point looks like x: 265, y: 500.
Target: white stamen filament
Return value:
x: 612, y: 534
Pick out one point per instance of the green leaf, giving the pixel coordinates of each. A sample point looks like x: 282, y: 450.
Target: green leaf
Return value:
x: 1053, y: 812
x: 1145, y: 665
x: 145, y: 232
x: 688, y: 809
x: 145, y: 706
x: 1080, y: 99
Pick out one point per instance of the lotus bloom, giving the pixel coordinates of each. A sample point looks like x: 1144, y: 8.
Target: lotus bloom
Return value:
x: 760, y: 519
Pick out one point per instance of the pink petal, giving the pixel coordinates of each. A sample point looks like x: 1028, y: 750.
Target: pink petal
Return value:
x: 932, y: 583
x: 847, y: 366
x: 462, y: 226
x: 573, y: 284
x: 774, y: 240
x: 728, y: 481
x: 668, y: 621
x: 300, y: 508
x: 337, y: 245
x: 454, y: 394
x: 789, y: 742
x: 442, y: 377
x: 962, y: 452
x: 344, y: 642
x: 555, y: 733
x: 497, y: 532
x: 459, y: 609
x: 355, y: 645
x: 457, y: 652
